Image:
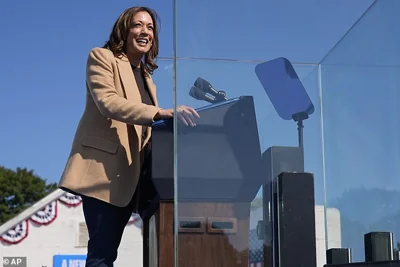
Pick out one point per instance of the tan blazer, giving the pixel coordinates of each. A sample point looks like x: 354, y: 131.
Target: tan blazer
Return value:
x: 105, y: 158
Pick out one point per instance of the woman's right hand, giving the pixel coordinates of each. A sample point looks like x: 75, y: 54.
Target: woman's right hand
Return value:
x: 185, y: 114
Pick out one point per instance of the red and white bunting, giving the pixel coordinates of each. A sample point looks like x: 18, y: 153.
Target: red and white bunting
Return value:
x: 16, y: 234
x: 45, y: 216
x: 71, y: 200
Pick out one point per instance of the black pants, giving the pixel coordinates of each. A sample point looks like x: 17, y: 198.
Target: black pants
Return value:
x: 105, y: 224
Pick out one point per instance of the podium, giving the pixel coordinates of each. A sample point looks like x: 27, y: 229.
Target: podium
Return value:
x: 219, y: 174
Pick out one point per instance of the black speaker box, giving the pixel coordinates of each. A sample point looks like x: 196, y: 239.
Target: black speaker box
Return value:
x: 378, y: 246
x: 293, y: 205
x: 338, y: 256
x: 276, y: 160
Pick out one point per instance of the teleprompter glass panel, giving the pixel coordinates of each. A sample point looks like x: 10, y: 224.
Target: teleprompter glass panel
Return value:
x: 360, y: 102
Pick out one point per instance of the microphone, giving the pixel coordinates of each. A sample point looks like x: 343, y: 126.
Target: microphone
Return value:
x: 207, y: 87
x: 198, y: 94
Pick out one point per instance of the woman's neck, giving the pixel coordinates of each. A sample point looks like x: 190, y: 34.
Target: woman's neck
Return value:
x: 134, y: 60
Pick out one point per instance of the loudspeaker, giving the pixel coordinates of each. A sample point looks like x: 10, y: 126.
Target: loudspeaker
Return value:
x: 338, y: 256
x: 378, y: 246
x: 294, y: 240
x: 276, y: 159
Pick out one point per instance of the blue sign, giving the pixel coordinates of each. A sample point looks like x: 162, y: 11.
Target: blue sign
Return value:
x: 69, y: 260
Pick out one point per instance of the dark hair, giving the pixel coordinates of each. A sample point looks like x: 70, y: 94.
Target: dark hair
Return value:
x: 117, y: 40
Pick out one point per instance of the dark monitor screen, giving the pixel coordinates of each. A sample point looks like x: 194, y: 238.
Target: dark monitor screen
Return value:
x: 284, y: 88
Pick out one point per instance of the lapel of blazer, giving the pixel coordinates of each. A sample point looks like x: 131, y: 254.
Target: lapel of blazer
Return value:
x: 132, y: 91
x: 129, y: 82
x: 129, y: 86
x: 127, y: 79
x: 153, y: 94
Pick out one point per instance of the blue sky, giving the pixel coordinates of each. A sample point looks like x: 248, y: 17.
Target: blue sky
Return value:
x: 45, y: 46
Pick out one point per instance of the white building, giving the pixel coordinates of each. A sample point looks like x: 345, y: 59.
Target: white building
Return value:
x: 53, y: 230
x: 52, y: 233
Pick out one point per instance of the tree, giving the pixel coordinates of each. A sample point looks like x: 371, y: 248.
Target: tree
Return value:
x: 19, y: 190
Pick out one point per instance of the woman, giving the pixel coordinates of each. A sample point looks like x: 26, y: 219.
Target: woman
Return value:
x: 113, y: 134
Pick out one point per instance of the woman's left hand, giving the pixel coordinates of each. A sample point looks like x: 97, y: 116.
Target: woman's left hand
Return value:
x: 187, y: 115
